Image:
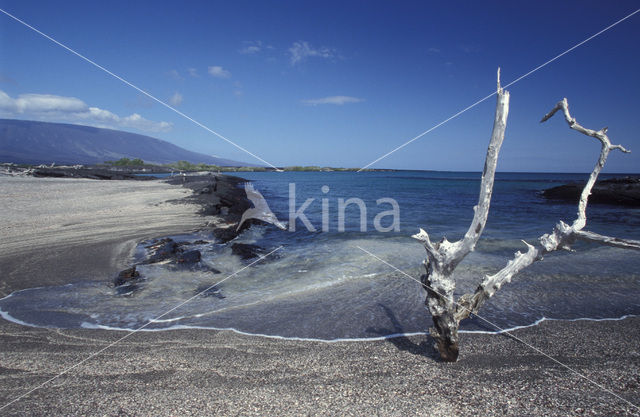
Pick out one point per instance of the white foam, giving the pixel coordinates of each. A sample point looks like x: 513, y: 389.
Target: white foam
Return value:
x: 86, y: 325
x: 346, y: 339
x: 539, y: 321
x: 166, y: 320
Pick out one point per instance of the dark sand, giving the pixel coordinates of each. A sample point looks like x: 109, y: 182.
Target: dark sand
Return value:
x: 198, y: 372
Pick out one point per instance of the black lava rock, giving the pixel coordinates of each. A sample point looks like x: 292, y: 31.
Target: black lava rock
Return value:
x: 126, y: 276
x: 615, y: 191
x: 246, y: 251
x: 189, y: 257
x: 225, y: 234
x: 162, y: 250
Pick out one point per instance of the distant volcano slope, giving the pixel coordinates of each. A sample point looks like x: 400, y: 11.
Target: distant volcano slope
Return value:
x: 31, y: 142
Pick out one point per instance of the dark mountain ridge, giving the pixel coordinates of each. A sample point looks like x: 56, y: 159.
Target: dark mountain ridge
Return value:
x: 32, y: 142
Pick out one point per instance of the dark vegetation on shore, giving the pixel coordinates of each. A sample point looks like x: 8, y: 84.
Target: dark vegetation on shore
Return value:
x: 186, y: 166
x: 138, y: 166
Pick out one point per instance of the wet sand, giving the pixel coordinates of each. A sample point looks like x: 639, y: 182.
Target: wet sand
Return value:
x: 75, y: 229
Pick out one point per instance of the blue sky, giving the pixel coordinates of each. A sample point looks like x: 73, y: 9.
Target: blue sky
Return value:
x: 334, y: 83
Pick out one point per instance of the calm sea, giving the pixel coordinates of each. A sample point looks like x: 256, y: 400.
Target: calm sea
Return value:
x: 322, y: 285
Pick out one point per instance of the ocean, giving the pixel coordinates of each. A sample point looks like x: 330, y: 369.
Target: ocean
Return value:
x: 322, y: 285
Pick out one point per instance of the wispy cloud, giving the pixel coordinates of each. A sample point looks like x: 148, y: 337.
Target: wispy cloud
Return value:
x: 219, y: 72
x: 254, y: 47
x: 193, y: 72
x: 176, y: 99
x: 336, y: 100
x: 251, y: 47
x: 302, y: 50
x: 433, y: 50
x: 71, y: 109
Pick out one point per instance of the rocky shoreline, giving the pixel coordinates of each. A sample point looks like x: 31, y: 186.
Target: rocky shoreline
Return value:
x: 222, y: 199
x: 615, y: 191
x: 217, y: 201
x: 75, y: 171
x: 217, y: 194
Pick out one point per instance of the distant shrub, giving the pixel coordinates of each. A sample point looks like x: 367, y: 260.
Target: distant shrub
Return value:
x: 188, y: 166
x: 125, y: 162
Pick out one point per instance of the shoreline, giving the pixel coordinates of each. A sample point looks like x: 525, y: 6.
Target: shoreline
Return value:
x: 195, y: 372
x: 504, y: 331
x: 199, y: 372
x: 84, y: 229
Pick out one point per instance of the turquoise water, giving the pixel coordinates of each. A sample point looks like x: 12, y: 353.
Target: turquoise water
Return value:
x: 322, y: 285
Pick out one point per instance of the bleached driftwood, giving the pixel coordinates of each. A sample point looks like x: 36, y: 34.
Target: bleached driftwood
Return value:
x: 563, y: 235
x: 443, y: 257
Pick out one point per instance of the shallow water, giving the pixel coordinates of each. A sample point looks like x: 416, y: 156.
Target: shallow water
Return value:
x: 321, y: 285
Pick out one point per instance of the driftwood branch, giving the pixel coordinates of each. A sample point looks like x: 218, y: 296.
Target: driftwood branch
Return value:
x: 607, y: 147
x: 563, y: 235
x: 607, y: 240
x: 444, y: 256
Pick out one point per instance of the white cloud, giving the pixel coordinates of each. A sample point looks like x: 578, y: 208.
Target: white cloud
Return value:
x: 193, y: 72
x: 135, y: 121
x: 433, y: 50
x: 300, y: 51
x: 6, y: 102
x: 219, y: 72
x: 337, y: 100
x: 96, y: 113
x: 251, y: 47
x: 50, y: 107
x: 40, y: 103
x: 176, y: 99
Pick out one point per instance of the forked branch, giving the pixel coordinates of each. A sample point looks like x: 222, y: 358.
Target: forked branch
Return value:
x: 444, y: 256
x: 563, y: 235
x: 600, y: 135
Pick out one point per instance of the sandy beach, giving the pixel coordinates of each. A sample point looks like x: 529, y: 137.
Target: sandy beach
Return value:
x: 84, y: 229
x: 81, y: 228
